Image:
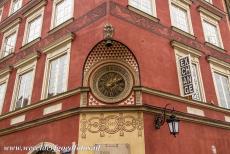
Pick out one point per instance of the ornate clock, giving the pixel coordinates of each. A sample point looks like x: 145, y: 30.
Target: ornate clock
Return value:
x: 111, y: 83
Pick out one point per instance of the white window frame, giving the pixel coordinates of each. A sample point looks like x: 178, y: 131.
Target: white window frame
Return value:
x: 4, y: 80
x: 5, y: 35
x: 11, y: 7
x: 154, y: 11
x: 2, y: 9
x: 52, y: 55
x: 194, y: 60
x: 208, y: 1
x: 222, y: 70
x: 55, y: 2
x: 184, y: 6
x: 22, y: 70
x: 28, y: 20
x: 205, y: 18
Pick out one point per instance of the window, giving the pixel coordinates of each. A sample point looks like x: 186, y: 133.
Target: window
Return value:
x: 3, y: 85
x: 223, y: 89
x: 180, y: 16
x: 195, y: 76
x: 24, y: 90
x: 182, y: 50
x: 62, y: 11
x: 221, y: 79
x: 33, y: 26
x: 147, y: 6
x: 57, y: 76
x: 211, y: 31
x: 15, y: 5
x: 23, y: 84
x: 9, y: 42
x: 55, y: 79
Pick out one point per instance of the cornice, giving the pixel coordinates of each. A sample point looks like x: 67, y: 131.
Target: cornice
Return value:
x: 11, y: 25
x: 213, y: 7
x: 183, y: 32
x: 65, y: 39
x: 183, y: 100
x: 187, y: 2
x: 209, y: 13
x: 6, y: 71
x: 30, y: 58
x: 216, y: 61
x: 178, y: 45
x: 35, y: 8
x: 87, y: 110
x: 42, y: 103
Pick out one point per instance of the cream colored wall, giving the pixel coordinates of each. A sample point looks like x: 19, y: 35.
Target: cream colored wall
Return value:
x: 121, y: 128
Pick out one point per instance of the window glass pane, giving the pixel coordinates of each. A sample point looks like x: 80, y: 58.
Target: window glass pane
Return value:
x: 34, y: 28
x: 16, y: 5
x: 143, y: 5
x: 24, y: 90
x: 2, y: 94
x: 180, y: 18
x: 63, y: 11
x: 211, y: 33
x: 57, y: 76
x: 222, y: 84
x: 9, y: 44
x: 197, y: 94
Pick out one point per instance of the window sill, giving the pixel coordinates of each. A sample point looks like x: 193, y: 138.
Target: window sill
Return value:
x: 143, y: 13
x: 214, y: 47
x: 183, y: 32
x: 29, y: 44
x: 7, y: 57
x: 54, y: 29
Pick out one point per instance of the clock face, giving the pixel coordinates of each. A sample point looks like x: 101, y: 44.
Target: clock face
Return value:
x: 111, y: 83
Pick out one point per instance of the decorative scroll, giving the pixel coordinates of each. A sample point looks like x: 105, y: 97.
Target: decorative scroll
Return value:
x: 111, y: 124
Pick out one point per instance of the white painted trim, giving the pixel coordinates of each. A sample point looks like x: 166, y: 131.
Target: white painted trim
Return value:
x: 4, y: 80
x: 2, y: 8
x: 221, y: 70
x: 51, y: 55
x: 227, y: 118
x: 6, y: 34
x: 213, y: 22
x: 185, y: 6
x: 195, y: 60
x: 17, y: 119
x: 52, y: 109
x: 55, y: 2
x: 21, y: 70
x: 28, y: 20
x: 195, y: 111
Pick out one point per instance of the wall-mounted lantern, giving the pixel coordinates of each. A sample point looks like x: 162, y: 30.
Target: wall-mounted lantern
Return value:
x: 172, y: 121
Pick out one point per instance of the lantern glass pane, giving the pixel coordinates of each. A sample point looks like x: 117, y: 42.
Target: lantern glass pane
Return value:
x: 170, y: 126
x: 176, y: 126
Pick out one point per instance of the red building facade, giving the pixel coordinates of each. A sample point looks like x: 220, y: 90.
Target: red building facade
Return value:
x: 97, y: 74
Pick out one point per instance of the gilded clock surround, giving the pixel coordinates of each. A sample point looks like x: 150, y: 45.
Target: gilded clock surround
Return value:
x: 110, y: 74
x: 111, y: 83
